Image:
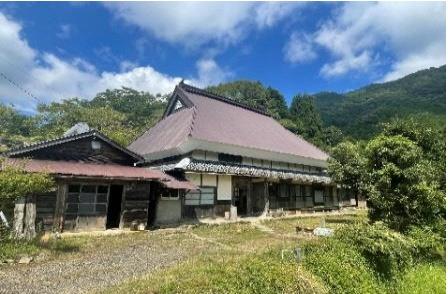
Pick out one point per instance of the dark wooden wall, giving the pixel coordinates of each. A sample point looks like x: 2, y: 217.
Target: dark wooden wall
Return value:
x: 135, y: 206
x: 81, y: 150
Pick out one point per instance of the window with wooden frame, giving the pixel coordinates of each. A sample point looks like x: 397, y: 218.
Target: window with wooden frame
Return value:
x: 170, y: 194
x: 204, y: 196
x: 87, y: 200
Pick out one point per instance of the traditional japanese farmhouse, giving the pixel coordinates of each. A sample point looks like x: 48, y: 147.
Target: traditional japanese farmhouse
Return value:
x: 238, y: 156
x: 97, y: 185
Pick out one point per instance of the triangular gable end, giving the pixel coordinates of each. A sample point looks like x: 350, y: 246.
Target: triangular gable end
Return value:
x: 90, y: 146
x: 177, y: 102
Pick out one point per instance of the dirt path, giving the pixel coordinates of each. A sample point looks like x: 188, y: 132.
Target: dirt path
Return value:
x: 101, y: 269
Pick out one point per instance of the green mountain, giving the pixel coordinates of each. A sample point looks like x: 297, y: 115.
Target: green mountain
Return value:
x: 359, y: 113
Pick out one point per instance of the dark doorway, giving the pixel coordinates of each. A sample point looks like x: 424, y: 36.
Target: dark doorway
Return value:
x: 154, y: 190
x: 114, y: 207
x: 241, y: 200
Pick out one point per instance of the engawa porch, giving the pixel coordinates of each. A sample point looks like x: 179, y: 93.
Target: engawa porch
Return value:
x: 256, y: 196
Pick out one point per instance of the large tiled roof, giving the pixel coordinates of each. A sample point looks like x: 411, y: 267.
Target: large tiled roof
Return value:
x: 167, y: 134
x: 217, y: 119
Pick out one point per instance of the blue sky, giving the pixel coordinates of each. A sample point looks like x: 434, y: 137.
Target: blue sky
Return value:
x: 62, y: 50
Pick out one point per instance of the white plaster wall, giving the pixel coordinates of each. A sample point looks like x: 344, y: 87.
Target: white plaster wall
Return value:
x: 194, y: 178
x: 209, y: 180
x: 224, y: 190
x: 168, y: 211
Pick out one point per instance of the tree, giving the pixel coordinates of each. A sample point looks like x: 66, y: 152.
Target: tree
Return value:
x: 309, y: 124
x: 141, y: 109
x: 15, y: 128
x: 255, y: 95
x: 347, y: 167
x: 332, y: 136
x: 429, y: 135
x: 402, y: 191
x: 15, y: 183
x: 277, y: 104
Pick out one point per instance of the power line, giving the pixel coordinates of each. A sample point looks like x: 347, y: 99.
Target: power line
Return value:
x: 15, y: 84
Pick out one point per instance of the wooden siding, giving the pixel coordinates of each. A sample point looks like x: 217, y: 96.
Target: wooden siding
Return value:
x: 81, y: 150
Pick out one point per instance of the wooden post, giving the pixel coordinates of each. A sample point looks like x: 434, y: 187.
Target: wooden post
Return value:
x: 19, y: 214
x: 123, y: 202
x: 29, y: 229
x: 58, y: 221
x: 266, y: 198
x: 249, y: 197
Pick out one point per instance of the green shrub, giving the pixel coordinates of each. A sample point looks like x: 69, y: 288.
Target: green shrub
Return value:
x: 428, y: 245
x: 387, y: 252
x: 342, y: 268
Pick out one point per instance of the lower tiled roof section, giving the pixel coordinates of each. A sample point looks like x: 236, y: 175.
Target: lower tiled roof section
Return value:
x: 101, y: 171
x: 251, y: 171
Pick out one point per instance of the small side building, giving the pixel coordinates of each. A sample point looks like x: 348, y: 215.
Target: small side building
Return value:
x: 97, y: 185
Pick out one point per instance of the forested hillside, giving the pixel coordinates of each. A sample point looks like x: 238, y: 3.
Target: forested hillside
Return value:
x: 358, y: 113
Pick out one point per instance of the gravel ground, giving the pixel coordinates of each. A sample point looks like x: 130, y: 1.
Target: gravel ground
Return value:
x: 94, y: 270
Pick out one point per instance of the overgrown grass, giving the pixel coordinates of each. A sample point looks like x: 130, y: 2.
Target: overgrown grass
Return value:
x: 12, y: 250
x: 342, y: 268
x: 15, y: 249
x: 229, y: 273
x: 360, y: 258
x: 422, y: 279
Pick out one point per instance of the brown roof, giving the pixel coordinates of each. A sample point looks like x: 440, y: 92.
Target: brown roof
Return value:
x: 167, y: 134
x: 103, y: 171
x: 218, y: 119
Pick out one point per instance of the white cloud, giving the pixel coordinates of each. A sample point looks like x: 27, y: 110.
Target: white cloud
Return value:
x: 209, y: 73
x: 268, y: 14
x: 413, y: 33
x: 414, y: 62
x: 65, y: 31
x: 360, y: 62
x: 299, y: 48
x: 50, y: 78
x: 192, y: 24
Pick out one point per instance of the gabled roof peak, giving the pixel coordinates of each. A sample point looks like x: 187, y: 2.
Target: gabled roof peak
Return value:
x: 94, y: 133
x: 198, y: 91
